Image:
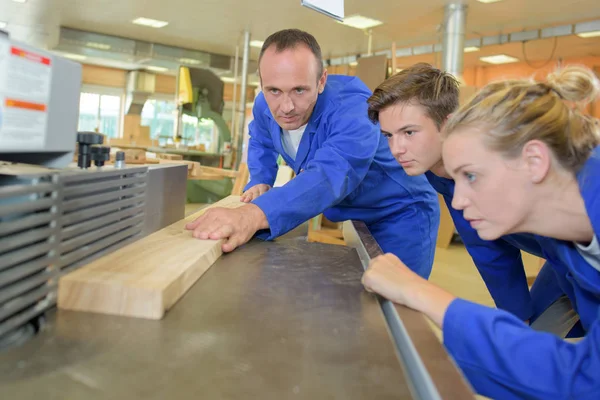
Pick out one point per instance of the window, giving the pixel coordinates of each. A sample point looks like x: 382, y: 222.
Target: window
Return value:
x: 100, y: 111
x: 160, y: 115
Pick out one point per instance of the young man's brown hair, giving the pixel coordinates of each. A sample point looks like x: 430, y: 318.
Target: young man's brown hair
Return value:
x: 436, y: 91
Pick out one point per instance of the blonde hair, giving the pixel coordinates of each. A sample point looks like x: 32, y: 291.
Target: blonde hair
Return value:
x: 511, y: 113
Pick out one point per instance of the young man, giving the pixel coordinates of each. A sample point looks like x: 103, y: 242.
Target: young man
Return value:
x: 344, y: 168
x: 411, y: 108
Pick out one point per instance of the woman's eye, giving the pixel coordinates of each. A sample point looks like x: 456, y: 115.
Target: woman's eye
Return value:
x: 470, y: 177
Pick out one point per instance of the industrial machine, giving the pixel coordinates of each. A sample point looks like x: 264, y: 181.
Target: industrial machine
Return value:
x: 200, y: 94
x: 272, y: 320
x: 57, y: 215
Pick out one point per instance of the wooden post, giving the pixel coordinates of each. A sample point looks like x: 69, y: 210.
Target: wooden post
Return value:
x: 394, y: 60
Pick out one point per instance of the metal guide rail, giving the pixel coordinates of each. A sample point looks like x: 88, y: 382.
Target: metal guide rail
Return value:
x: 430, y: 371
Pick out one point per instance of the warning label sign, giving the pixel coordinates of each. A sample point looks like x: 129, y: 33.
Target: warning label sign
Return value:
x: 25, y: 79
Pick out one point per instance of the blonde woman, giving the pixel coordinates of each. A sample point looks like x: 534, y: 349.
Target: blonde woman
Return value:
x: 524, y: 159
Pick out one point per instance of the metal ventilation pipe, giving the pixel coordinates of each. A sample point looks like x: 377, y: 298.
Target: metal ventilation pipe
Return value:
x: 243, y: 96
x: 455, y: 16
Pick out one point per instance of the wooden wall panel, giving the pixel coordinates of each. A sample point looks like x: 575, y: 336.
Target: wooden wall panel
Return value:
x: 228, y: 92
x: 165, y: 84
x: 102, y: 76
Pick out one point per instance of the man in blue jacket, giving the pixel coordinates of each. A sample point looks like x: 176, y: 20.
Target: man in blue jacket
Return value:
x: 344, y: 167
x: 411, y: 108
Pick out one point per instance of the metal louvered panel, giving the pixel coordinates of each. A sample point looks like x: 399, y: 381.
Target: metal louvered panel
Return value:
x: 93, y: 187
x: 100, y: 212
x: 21, y: 271
x: 83, y: 227
x: 84, y: 239
x: 17, y: 320
x: 26, y: 285
x: 24, y: 254
x: 28, y: 229
x: 53, y: 223
x: 85, y: 251
x: 115, y: 194
x: 28, y: 237
x: 30, y: 221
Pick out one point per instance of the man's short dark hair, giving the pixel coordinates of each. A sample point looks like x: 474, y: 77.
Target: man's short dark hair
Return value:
x: 436, y: 91
x: 290, y: 39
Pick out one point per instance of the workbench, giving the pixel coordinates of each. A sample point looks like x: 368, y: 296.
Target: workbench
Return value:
x: 271, y: 320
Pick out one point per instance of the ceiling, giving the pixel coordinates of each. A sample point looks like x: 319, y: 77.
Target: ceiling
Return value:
x: 217, y: 25
x: 537, y: 53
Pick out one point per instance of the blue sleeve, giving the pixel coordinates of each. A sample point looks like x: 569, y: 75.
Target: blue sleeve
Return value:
x: 505, y: 359
x: 338, y: 167
x: 500, y: 266
x: 262, y: 156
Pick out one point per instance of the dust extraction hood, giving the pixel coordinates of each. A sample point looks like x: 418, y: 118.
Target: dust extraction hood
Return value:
x: 140, y: 86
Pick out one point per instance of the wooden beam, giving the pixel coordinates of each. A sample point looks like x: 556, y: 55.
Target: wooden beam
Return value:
x: 145, y: 278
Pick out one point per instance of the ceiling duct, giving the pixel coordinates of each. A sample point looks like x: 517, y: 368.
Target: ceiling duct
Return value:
x: 516, y: 37
x: 138, y: 54
x: 140, y: 85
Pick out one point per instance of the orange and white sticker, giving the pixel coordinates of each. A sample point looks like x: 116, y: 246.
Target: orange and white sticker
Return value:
x: 19, y: 52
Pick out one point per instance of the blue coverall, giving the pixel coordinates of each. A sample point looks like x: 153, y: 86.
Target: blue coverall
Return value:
x: 503, y: 358
x: 345, y: 170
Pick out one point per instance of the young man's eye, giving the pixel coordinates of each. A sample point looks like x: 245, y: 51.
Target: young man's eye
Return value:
x: 470, y: 177
x: 274, y: 91
x: 299, y: 91
x: 387, y: 135
x: 409, y: 133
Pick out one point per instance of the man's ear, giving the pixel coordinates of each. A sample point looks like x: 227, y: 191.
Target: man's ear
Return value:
x: 322, y: 81
x: 444, y: 122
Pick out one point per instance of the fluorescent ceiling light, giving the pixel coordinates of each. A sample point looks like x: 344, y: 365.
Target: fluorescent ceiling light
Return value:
x: 77, y: 57
x: 354, y: 63
x: 153, y: 23
x: 227, y: 79
x: 591, y: 34
x: 471, y: 49
x: 20, y: 1
x: 156, y: 69
x: 488, y: 1
x: 257, y: 43
x: 96, y: 45
x: 499, y: 59
x: 360, y: 22
x: 189, y: 61
x: 3, y: 24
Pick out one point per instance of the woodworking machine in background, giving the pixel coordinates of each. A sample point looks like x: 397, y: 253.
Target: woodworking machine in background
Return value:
x: 56, y: 216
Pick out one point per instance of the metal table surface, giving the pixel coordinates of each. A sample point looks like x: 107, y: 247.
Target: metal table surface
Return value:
x: 272, y: 320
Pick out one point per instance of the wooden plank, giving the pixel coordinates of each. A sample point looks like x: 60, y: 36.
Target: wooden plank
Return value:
x: 241, y: 180
x: 193, y: 166
x: 320, y: 237
x: 219, y: 171
x: 145, y: 278
x: 166, y: 156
